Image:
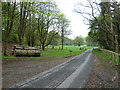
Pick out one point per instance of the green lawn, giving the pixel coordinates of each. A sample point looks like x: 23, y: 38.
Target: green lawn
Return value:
x: 56, y: 52
x: 5, y: 57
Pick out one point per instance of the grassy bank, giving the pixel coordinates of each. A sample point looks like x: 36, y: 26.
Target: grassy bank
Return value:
x: 105, y: 59
x: 104, y: 74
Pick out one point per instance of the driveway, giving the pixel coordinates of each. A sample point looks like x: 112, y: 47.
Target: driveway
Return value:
x: 70, y: 74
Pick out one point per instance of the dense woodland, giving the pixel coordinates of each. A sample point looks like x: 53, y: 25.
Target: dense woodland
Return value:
x: 104, y: 23
x: 35, y: 24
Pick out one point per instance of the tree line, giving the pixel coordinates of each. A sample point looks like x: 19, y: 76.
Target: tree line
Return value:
x: 104, y: 23
x: 34, y: 24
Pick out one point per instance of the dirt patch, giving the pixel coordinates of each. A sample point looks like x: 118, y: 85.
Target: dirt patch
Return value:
x: 18, y: 70
x: 104, y: 75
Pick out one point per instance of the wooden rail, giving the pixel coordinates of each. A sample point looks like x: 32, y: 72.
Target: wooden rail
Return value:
x: 113, y: 55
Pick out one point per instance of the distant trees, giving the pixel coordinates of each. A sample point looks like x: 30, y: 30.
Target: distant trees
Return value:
x: 55, y: 39
x: 67, y: 41
x: 65, y: 28
x: 78, y: 41
x: 90, y: 41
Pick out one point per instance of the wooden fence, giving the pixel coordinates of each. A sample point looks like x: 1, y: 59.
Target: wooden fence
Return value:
x: 113, y: 55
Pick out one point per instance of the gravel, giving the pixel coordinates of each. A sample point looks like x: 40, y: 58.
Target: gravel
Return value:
x: 104, y: 75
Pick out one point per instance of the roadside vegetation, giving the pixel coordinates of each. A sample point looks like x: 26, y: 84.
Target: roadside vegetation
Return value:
x: 106, y: 59
x: 104, y: 73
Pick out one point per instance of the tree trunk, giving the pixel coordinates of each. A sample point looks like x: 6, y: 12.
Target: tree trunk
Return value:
x: 116, y: 43
x: 62, y: 44
x: 23, y: 20
x: 43, y: 47
x: 32, y: 44
x: 30, y: 29
x: 113, y: 45
x: 7, y: 31
x: 52, y: 46
x: 119, y: 36
x: 28, y: 43
x: 62, y: 37
x: 20, y: 42
x: 20, y: 28
x: 5, y: 47
x: 9, y: 26
x: 106, y: 40
x: 40, y: 45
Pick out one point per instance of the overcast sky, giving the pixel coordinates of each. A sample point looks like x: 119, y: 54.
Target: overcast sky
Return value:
x: 77, y: 25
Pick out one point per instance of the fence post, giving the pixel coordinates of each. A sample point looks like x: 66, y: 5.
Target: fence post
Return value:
x: 106, y: 52
x: 14, y: 53
x: 114, y: 57
x: 111, y: 55
x: 119, y: 58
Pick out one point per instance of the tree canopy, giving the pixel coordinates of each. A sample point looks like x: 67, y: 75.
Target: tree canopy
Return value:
x: 31, y: 23
x: 104, y: 24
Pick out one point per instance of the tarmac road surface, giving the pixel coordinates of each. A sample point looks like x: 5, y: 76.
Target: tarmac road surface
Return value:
x: 70, y: 74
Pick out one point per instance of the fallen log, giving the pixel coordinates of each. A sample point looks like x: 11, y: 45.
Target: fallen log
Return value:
x: 24, y: 48
x: 30, y: 48
x: 26, y: 53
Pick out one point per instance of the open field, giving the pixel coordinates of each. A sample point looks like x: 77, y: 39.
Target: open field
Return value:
x: 56, y: 52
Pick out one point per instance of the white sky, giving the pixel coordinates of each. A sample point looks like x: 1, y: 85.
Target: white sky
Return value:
x: 77, y: 25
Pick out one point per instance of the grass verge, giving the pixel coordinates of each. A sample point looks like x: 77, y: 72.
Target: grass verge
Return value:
x: 106, y: 59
